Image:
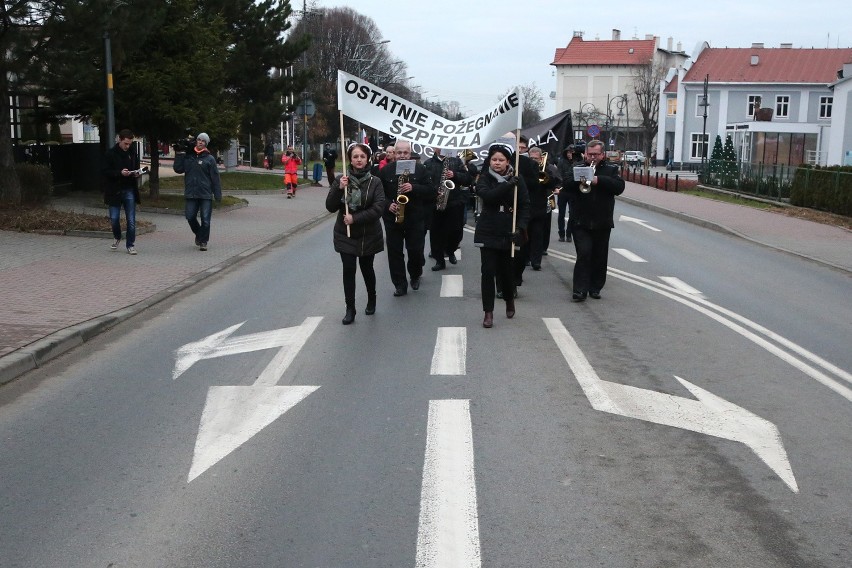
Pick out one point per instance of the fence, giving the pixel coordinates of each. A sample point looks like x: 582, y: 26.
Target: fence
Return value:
x: 829, y: 189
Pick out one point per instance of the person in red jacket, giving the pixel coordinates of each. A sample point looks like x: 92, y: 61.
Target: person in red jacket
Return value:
x: 291, y: 162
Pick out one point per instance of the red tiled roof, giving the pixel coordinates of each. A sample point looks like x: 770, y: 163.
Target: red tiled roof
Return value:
x: 672, y: 86
x: 775, y: 65
x: 606, y: 52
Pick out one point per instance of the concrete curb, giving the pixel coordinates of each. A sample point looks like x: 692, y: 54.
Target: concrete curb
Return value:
x: 38, y: 353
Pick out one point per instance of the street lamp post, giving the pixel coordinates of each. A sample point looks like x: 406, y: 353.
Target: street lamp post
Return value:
x: 110, y: 109
x: 704, y: 104
x: 621, y: 104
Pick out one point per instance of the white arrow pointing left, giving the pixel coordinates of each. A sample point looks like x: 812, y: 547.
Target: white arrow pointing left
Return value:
x: 710, y: 414
x: 233, y: 414
x: 638, y: 222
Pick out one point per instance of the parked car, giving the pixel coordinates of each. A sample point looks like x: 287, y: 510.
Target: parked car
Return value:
x: 634, y: 157
x: 613, y: 156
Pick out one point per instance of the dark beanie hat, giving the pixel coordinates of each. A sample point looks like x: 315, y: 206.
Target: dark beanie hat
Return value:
x: 503, y: 149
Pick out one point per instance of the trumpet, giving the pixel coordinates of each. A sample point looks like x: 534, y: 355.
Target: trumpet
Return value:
x: 586, y: 184
x: 467, y: 155
x: 543, y: 178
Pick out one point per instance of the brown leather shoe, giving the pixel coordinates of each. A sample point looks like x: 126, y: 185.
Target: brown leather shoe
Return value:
x: 510, y: 308
x: 489, y: 320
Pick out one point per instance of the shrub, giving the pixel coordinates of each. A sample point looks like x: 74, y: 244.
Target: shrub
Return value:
x: 827, y: 189
x: 36, y: 182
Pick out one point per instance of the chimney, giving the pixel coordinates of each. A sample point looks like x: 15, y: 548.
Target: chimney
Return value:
x: 757, y: 46
x: 679, y: 47
x: 649, y: 36
x: 616, y: 34
x: 669, y: 43
x: 578, y: 34
x: 755, y: 59
x: 786, y: 46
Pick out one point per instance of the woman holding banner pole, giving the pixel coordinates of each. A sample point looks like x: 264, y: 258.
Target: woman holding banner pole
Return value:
x: 501, y: 225
x: 359, y: 200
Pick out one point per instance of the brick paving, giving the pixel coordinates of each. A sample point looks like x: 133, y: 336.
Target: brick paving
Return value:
x: 51, y: 283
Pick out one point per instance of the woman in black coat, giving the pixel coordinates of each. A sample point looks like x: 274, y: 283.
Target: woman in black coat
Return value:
x: 494, y: 237
x: 365, y: 196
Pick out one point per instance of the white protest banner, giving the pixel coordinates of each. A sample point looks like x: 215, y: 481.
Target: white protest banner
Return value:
x: 385, y: 111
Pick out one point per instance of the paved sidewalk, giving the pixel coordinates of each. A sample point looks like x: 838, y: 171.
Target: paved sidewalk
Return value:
x: 59, y: 291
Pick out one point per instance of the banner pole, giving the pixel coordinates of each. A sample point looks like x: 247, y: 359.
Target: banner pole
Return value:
x: 515, y: 197
x: 343, y: 155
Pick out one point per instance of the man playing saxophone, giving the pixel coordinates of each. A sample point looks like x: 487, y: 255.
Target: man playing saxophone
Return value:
x: 449, y: 175
x: 409, y: 235
x: 591, y: 204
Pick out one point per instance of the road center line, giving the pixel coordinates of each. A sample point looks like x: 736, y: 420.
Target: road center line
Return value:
x: 629, y: 255
x: 450, y: 351
x: 448, y: 529
x: 452, y: 286
x: 680, y: 285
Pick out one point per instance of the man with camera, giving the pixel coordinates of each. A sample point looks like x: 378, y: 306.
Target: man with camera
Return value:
x: 291, y: 162
x: 201, y: 186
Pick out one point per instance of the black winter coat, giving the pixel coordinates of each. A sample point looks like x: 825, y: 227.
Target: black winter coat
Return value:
x: 461, y: 177
x: 365, y: 232
x: 116, y: 160
x: 594, y: 210
x: 494, y: 227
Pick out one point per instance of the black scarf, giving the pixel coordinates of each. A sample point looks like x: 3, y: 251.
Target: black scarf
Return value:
x: 359, y: 182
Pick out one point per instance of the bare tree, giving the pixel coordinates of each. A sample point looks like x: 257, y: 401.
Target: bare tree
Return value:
x: 341, y: 38
x: 646, y: 85
x: 533, y: 102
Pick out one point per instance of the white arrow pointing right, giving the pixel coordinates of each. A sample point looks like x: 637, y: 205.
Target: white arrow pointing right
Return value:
x: 638, y: 222
x: 709, y: 414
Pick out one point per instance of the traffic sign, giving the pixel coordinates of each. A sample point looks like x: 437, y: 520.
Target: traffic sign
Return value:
x: 594, y: 130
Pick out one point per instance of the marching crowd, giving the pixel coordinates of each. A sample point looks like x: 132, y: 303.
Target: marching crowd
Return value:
x: 388, y: 200
x: 393, y: 201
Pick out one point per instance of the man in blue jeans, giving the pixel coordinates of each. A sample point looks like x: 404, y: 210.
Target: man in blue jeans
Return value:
x: 121, y: 168
x: 201, y: 185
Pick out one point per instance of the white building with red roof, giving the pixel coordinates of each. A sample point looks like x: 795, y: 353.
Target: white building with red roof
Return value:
x: 781, y: 106
x: 595, y: 79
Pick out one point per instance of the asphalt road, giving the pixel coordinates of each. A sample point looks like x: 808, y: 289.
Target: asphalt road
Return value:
x: 565, y: 437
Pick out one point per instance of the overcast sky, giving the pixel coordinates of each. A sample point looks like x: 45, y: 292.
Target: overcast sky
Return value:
x: 473, y: 52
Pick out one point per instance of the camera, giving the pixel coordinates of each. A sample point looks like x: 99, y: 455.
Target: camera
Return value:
x: 185, y: 144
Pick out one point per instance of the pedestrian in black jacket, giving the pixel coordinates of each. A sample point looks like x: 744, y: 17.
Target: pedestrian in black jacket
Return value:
x: 410, y: 235
x: 591, y: 221
x: 497, y: 187
x: 365, y: 197
x: 447, y: 228
x: 121, y: 170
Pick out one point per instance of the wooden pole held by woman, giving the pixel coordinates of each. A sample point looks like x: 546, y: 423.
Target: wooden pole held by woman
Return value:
x: 346, y: 189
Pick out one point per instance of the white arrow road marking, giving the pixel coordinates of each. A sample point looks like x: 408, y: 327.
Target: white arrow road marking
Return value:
x: 220, y: 344
x: 733, y: 321
x: 448, y: 529
x: 450, y: 352
x: 452, y: 286
x: 629, y: 255
x: 709, y: 414
x: 638, y: 222
x: 680, y: 285
x: 233, y: 414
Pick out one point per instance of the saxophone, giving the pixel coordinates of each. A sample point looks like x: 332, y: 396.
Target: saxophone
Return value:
x: 444, y: 187
x: 401, y: 199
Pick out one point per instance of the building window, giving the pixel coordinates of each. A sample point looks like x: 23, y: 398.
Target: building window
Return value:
x: 695, y: 146
x: 825, y: 107
x: 671, y: 107
x: 782, y: 106
x: 754, y: 102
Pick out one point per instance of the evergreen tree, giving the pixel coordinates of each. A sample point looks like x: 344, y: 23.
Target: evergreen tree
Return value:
x: 715, y: 161
x: 729, y: 170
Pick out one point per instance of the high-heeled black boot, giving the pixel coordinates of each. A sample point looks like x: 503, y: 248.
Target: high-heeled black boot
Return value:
x: 371, y: 304
x: 350, y: 315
